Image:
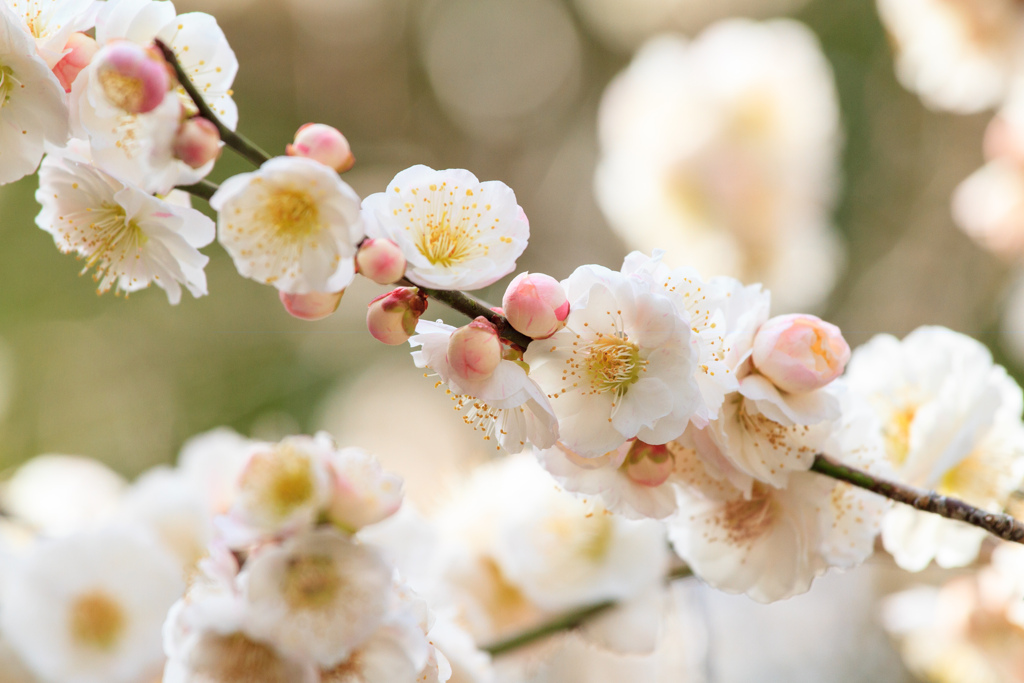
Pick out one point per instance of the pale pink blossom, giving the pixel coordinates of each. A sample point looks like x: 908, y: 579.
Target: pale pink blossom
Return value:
x: 197, y: 142
x: 380, y: 260
x: 535, y: 304
x: 132, y: 77
x: 311, y: 306
x: 392, y: 317
x: 800, y: 352
x: 322, y: 143
x: 79, y: 51
x: 474, y: 351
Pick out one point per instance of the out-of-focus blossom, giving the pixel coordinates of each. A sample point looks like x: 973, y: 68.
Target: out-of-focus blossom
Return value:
x: 535, y: 304
x: 52, y: 23
x: 32, y: 107
x: 293, y: 224
x: 129, y: 237
x: 508, y: 406
x: 958, y: 56
x: 131, y: 77
x: 951, y: 420
x: 311, y: 306
x: 622, y: 367
x: 78, y: 53
x: 363, y: 493
x: 724, y: 152
x: 197, y: 142
x: 322, y: 143
x: 455, y: 231
x: 212, y: 462
x: 88, y: 608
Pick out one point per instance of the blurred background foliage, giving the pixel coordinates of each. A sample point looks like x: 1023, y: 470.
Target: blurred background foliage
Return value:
x: 508, y: 89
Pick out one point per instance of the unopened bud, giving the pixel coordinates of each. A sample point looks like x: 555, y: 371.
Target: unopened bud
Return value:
x: 197, y: 142
x: 312, y: 306
x: 474, y: 351
x: 535, y: 305
x: 133, y: 78
x: 800, y: 352
x: 381, y: 260
x: 322, y: 143
x: 79, y: 52
x: 392, y: 317
x: 648, y: 465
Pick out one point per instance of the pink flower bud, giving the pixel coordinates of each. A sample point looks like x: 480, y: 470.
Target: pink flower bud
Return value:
x: 381, y: 260
x: 312, y: 306
x: 648, y: 465
x: 132, y: 77
x: 474, y: 351
x: 79, y: 52
x: 197, y: 142
x: 392, y: 317
x: 322, y: 143
x: 800, y: 352
x: 535, y: 305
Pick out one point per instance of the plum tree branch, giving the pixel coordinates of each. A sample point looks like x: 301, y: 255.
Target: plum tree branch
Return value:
x: 474, y: 308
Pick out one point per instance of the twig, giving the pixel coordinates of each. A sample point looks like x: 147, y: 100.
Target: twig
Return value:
x: 204, y: 189
x: 997, y: 524
x: 232, y: 139
x: 566, y: 621
x: 472, y: 308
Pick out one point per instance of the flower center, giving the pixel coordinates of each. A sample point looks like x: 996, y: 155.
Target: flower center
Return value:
x: 236, y: 659
x: 282, y: 478
x: 444, y: 243
x: 112, y: 240
x: 897, y: 434
x: 7, y: 83
x: 96, y: 621
x: 311, y: 582
x: 613, y: 363
x: 123, y: 91
x: 292, y: 213
x: 746, y: 520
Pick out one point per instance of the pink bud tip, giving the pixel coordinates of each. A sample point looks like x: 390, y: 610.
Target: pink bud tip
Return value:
x: 648, y: 465
x: 132, y: 77
x: 535, y: 304
x: 474, y: 351
x: 197, y: 142
x: 322, y: 143
x: 381, y: 260
x: 391, y: 318
x: 77, y: 54
x: 312, y: 306
x: 800, y: 352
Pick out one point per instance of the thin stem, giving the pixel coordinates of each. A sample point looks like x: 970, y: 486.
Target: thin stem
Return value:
x: 204, y: 189
x: 232, y: 139
x: 997, y: 524
x: 473, y: 308
x: 566, y: 621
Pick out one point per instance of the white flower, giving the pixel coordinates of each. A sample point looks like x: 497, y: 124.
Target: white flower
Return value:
x: 293, y: 224
x: 318, y: 596
x: 51, y: 23
x: 958, y: 56
x: 139, y: 147
x: 89, y: 608
x: 622, y: 367
x: 951, y: 420
x: 723, y: 151
x: 130, y: 237
x: 508, y: 407
x: 212, y: 463
x: 455, y: 231
x: 362, y: 492
x: 32, y: 107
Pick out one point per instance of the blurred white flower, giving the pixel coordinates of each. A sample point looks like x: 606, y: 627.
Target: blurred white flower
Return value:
x: 89, y: 608
x: 951, y: 420
x: 51, y: 23
x: 318, y: 596
x: 623, y: 366
x: 362, y: 492
x: 212, y: 463
x: 32, y: 106
x: 508, y: 407
x: 455, y: 231
x: 724, y: 152
x: 131, y: 238
x: 958, y: 56
x: 293, y: 224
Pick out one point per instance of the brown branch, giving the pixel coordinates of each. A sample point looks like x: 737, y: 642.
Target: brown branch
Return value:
x: 473, y: 308
x: 998, y: 524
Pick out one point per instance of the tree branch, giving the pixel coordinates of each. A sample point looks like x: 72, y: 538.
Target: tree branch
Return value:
x: 204, y: 189
x: 232, y: 139
x: 566, y: 621
x: 474, y: 308
x: 997, y: 524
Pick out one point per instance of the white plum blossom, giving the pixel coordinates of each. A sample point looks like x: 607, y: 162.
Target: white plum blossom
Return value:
x: 723, y: 151
x: 951, y: 420
x: 88, y: 608
x: 140, y: 147
x: 508, y: 407
x: 318, y: 596
x: 455, y: 231
x: 212, y: 463
x: 51, y: 23
x: 32, y: 106
x: 362, y: 492
x: 623, y: 366
x: 130, y: 238
x: 293, y: 224
x: 957, y: 56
